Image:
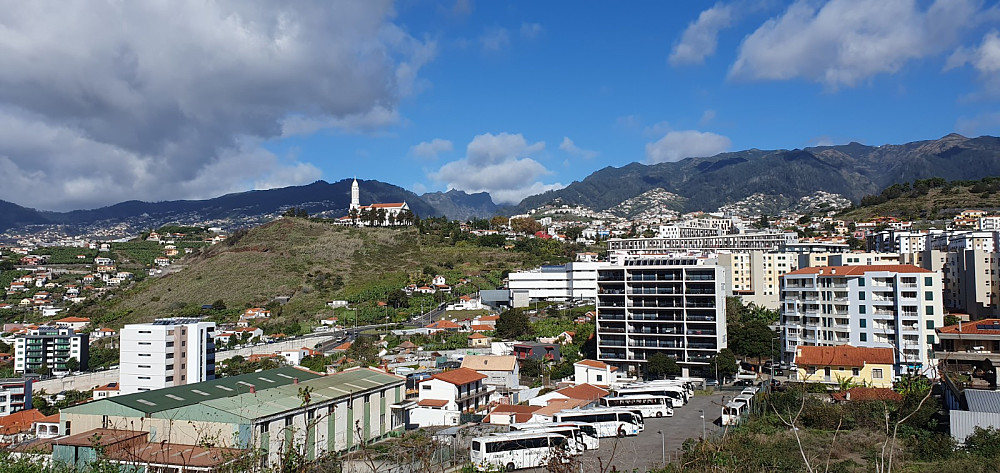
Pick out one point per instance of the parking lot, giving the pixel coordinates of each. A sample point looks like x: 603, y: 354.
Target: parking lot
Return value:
x: 644, y: 450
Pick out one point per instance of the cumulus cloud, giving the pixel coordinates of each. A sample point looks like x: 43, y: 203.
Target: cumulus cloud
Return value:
x: 107, y: 101
x: 845, y: 42
x: 531, y: 30
x: 701, y: 37
x: 677, y: 145
x: 568, y: 146
x: 495, y: 39
x: 431, y: 149
x: 498, y: 164
x: 985, y: 58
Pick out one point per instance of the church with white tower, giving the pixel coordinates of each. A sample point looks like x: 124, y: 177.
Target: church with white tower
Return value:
x: 381, y: 215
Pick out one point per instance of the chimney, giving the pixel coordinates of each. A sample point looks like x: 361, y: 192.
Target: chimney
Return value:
x: 959, y: 325
x: 253, y: 390
x: 295, y: 380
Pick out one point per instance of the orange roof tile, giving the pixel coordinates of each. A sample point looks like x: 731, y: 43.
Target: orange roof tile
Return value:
x: 980, y: 327
x: 443, y: 324
x: 460, y: 376
x: 433, y: 403
x: 521, y: 413
x: 343, y: 346
x: 109, y: 387
x: 481, y: 328
x: 19, y: 421
x: 595, y: 364
x: 70, y: 320
x: 842, y: 355
x: 583, y: 391
x: 556, y: 405
x: 52, y: 419
x: 859, y: 270
x: 477, y: 335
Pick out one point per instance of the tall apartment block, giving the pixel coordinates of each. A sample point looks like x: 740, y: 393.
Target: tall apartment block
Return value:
x: 165, y: 353
x: 51, y: 347
x: 878, y: 306
x: 651, y: 304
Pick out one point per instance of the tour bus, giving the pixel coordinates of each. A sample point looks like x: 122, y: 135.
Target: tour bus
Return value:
x: 519, y: 450
x: 676, y: 394
x: 609, y: 422
x: 649, y: 405
x: 686, y: 387
x: 732, y: 412
x: 745, y: 399
x: 584, y: 434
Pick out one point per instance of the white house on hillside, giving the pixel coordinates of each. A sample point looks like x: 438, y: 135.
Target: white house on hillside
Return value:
x: 594, y: 372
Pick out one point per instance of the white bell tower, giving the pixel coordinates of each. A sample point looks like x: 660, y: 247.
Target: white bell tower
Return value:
x: 355, y: 195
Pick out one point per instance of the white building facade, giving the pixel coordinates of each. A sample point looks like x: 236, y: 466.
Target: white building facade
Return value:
x: 674, y: 306
x: 165, y: 353
x: 571, y: 281
x: 51, y: 348
x: 879, y: 306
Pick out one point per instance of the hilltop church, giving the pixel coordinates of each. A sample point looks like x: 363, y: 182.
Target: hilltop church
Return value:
x: 381, y: 215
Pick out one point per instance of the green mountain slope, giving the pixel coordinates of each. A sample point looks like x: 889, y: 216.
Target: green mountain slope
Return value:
x: 853, y: 170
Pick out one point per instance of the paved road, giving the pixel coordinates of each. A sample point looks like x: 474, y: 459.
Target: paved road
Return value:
x: 643, y: 451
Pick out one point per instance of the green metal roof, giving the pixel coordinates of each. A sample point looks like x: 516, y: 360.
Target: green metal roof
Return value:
x: 268, y: 402
x: 159, y: 400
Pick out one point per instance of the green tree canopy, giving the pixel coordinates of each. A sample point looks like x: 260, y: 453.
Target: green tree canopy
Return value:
x: 725, y: 363
x: 513, y: 324
x: 661, y: 365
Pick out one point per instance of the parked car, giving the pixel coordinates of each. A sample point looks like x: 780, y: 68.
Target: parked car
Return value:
x: 744, y: 382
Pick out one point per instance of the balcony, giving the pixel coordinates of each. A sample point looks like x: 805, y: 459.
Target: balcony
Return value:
x: 610, y: 316
x: 472, y: 394
x: 612, y: 343
x: 701, y: 332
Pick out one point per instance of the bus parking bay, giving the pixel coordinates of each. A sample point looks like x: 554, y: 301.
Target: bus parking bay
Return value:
x: 643, y: 451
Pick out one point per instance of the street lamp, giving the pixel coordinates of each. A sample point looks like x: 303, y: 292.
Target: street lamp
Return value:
x: 702, y: 412
x: 772, y: 362
x: 663, y: 448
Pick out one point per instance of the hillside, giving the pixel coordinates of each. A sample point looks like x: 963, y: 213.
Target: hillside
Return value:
x: 943, y: 201
x: 852, y: 170
x: 312, y: 263
x: 458, y: 205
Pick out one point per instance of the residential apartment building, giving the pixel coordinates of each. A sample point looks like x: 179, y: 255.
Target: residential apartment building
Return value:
x: 971, y: 278
x: 50, y: 347
x: 165, y: 353
x: 570, y: 281
x: 764, y: 241
x: 442, y: 398
x: 877, y: 306
x: 651, y: 304
x: 15, y: 395
x: 271, y: 410
x: 755, y: 276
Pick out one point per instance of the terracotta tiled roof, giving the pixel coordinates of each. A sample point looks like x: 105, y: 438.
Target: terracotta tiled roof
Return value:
x: 521, y: 413
x: 110, y: 387
x: 460, y: 376
x: 69, y: 320
x: 843, y: 355
x: 868, y: 394
x: 52, y: 419
x: 980, y: 327
x: 477, y: 335
x: 343, y: 346
x: 556, y: 405
x: 443, y: 324
x: 488, y: 318
x: 19, y: 421
x: 433, y: 403
x: 584, y: 391
x: 489, y: 362
x: 859, y: 270
x: 595, y: 364
x: 481, y: 328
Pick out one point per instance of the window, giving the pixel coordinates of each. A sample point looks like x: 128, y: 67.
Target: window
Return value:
x: 425, y: 387
x: 930, y: 310
x: 929, y: 296
x: 928, y: 281
x: 600, y: 378
x: 930, y: 325
x: 145, y: 354
x: 143, y: 377
x: 855, y: 371
x: 862, y: 309
x: 861, y: 282
x: 876, y: 373
x: 145, y: 343
x: 863, y: 323
x: 145, y: 366
x: 930, y: 339
x: 864, y: 337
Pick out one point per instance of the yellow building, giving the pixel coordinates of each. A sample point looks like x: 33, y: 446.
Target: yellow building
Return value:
x: 872, y: 367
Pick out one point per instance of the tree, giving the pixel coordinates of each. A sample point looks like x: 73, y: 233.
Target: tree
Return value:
x: 397, y: 298
x: 572, y: 233
x: 219, y: 305
x: 498, y: 222
x: 527, y: 226
x: 661, y: 365
x: 725, y: 363
x: 365, y: 350
x: 44, y: 369
x: 948, y: 320
x: 73, y: 364
x: 315, y: 363
x: 513, y: 324
x: 752, y: 339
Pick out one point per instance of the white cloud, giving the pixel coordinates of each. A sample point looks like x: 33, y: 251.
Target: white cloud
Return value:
x: 498, y: 164
x: 531, y: 30
x: 702, y: 36
x: 495, y: 39
x: 706, y: 117
x: 845, y: 42
x: 568, y: 146
x: 677, y: 145
x: 110, y: 101
x: 985, y: 123
x: 431, y: 149
x: 985, y: 58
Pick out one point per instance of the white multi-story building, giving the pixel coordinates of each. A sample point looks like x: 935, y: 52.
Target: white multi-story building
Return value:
x: 571, y: 281
x: 755, y: 275
x: 878, y: 306
x: 52, y: 348
x: 991, y: 223
x: 657, y: 304
x: 165, y: 353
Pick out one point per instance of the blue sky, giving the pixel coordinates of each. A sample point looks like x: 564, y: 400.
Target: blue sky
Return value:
x: 512, y: 98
